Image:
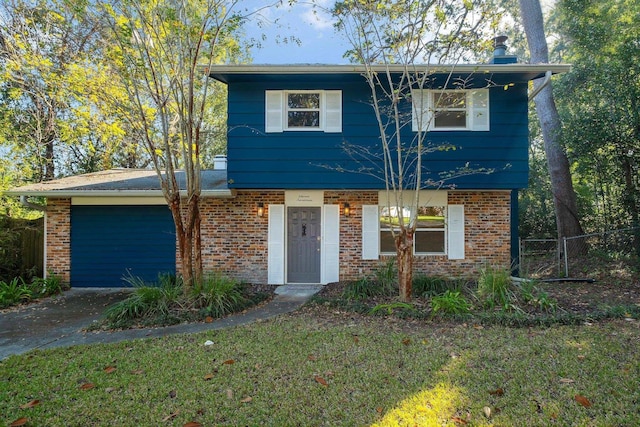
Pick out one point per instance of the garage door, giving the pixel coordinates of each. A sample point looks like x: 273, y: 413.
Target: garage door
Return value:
x: 111, y: 242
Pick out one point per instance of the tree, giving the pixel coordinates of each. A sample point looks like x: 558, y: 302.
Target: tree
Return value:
x: 163, y: 52
x: 398, y: 42
x: 564, y: 197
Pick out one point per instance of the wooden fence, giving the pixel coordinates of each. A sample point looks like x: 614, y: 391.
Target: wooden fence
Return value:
x: 21, y: 248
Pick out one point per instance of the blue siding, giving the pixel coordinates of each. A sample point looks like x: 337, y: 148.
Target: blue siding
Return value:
x: 288, y: 160
x: 109, y: 242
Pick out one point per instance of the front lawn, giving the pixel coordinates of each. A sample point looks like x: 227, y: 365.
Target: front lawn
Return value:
x: 337, y: 369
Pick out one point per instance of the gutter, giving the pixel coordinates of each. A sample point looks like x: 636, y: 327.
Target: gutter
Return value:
x: 545, y: 83
x: 24, y: 200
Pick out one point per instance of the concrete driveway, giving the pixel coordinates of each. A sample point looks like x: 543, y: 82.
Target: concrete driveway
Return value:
x: 42, y: 324
x: 59, y: 321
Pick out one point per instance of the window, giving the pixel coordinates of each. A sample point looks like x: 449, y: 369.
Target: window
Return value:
x: 440, y: 229
x: 303, y: 110
x: 429, y: 237
x: 450, y: 110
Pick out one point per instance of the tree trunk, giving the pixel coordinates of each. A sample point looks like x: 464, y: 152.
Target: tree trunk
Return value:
x: 404, y: 255
x: 564, y: 197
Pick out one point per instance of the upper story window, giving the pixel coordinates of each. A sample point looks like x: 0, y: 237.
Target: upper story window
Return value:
x: 450, y: 110
x: 303, y: 110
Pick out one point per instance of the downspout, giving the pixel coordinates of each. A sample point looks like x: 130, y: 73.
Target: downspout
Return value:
x: 546, y: 81
x: 24, y: 200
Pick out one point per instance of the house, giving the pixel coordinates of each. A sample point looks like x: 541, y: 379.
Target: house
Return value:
x: 288, y: 208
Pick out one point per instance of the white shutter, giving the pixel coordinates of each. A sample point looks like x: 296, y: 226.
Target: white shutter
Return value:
x: 274, y: 106
x: 370, y: 233
x: 455, y: 230
x: 479, y: 111
x: 333, y: 111
x: 331, y: 244
x: 421, y: 111
x: 275, y: 248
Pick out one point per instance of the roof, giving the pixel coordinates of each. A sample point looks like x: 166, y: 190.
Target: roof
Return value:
x: 121, y: 182
x: 238, y: 72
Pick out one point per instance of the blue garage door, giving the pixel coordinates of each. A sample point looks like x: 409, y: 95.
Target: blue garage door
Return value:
x: 111, y: 242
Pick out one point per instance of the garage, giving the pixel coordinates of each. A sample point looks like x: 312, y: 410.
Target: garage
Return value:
x: 109, y: 243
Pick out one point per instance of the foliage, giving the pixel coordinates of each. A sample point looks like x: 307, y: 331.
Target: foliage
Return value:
x: 430, y: 286
x: 18, y: 291
x: 494, y: 288
x: 387, y: 276
x: 399, y: 308
x: 450, y: 303
x: 218, y: 296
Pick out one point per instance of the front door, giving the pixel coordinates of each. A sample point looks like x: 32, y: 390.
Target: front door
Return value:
x: 303, y: 245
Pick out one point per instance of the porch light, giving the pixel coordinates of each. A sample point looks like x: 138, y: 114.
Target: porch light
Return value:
x: 346, y: 209
x: 260, y: 210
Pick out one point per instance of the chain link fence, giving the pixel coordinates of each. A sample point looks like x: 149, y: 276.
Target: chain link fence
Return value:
x: 612, y: 254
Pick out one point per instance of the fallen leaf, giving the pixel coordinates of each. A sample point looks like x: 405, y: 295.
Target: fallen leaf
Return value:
x: 567, y: 381
x: 582, y: 400
x: 487, y: 411
x: 170, y: 416
x: 110, y: 369
x: 110, y: 389
x: 137, y: 372
x: 173, y: 394
x: 356, y: 340
x: 247, y: 399
x: 496, y: 392
x: 478, y: 327
x: 87, y: 386
x: 321, y: 381
x: 458, y: 420
x: 229, y: 394
x: 311, y: 357
x: 229, y: 362
x: 379, y: 409
x: 19, y: 422
x: 580, y: 357
x: 192, y: 424
x: 208, y: 319
x: 406, y: 341
x: 208, y: 377
x: 30, y: 404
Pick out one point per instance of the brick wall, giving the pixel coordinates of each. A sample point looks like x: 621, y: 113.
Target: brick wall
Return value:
x: 58, y: 238
x: 235, y: 238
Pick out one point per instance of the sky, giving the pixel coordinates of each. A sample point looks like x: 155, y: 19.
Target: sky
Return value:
x: 276, y: 28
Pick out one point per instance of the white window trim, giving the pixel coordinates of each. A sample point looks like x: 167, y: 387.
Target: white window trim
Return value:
x: 330, y: 109
x: 477, y: 110
x: 286, y: 110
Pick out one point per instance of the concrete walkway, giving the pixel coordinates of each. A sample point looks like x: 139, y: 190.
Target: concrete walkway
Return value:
x: 59, y: 321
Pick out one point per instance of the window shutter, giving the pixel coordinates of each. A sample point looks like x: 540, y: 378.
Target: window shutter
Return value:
x: 455, y: 231
x: 479, y: 111
x: 274, y: 106
x: 333, y: 111
x: 421, y: 116
x: 275, y: 245
x: 331, y: 244
x: 370, y: 233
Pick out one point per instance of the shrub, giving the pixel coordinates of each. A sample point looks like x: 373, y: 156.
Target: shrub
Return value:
x: 219, y: 296
x: 494, y: 288
x: 14, y: 292
x: 50, y: 285
x: 430, y: 286
x: 387, y: 277
x: 402, y: 309
x: 364, y: 288
x: 152, y: 302
x: 450, y: 303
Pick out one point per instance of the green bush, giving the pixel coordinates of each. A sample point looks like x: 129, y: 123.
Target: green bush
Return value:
x: 363, y: 288
x: 14, y: 292
x: 494, y: 288
x: 450, y: 303
x: 430, y: 286
x: 153, y: 302
x: 218, y: 296
x: 401, y: 309
x: 387, y: 277
x: 50, y: 285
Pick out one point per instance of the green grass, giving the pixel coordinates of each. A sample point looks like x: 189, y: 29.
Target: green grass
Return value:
x: 374, y: 373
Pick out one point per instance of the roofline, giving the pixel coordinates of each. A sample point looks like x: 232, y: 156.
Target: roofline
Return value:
x: 257, y: 69
x: 113, y: 193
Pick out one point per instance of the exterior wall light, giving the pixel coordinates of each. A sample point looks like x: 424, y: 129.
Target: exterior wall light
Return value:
x: 346, y: 209
x: 260, y: 210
